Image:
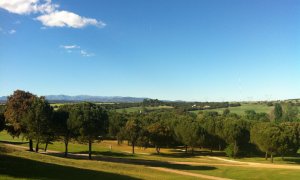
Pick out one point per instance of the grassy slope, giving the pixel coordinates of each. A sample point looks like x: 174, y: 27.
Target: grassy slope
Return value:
x: 37, y: 166
x: 137, y: 109
x: 29, y: 165
x: 241, y: 109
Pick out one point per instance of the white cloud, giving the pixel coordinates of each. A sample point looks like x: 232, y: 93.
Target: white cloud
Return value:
x: 76, y: 49
x: 86, y: 54
x: 70, y: 46
x: 67, y: 19
x: 12, y: 31
x: 28, y: 6
x: 49, y: 15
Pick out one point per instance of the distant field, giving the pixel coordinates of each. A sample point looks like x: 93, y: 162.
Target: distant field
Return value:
x: 241, y: 109
x: 137, y: 109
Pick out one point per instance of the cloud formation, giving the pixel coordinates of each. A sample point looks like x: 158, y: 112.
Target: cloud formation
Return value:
x: 67, y: 19
x: 49, y: 15
x: 77, y: 49
x: 70, y: 46
x: 28, y: 6
x: 12, y: 31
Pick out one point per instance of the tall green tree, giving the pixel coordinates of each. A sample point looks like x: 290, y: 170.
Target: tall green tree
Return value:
x: 17, y: 107
x: 62, y: 128
x: 159, y: 135
x: 116, y: 122
x: 278, y: 112
x: 38, y: 121
x: 235, y: 133
x: 290, y: 113
x: 90, y: 122
x: 190, y: 133
x: 2, y: 121
x: 132, y: 131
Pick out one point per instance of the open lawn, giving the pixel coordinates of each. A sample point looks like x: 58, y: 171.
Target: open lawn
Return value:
x: 17, y: 163
x: 241, y: 109
x: 138, y: 109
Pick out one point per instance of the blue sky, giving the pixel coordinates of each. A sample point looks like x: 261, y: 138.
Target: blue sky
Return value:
x: 176, y: 50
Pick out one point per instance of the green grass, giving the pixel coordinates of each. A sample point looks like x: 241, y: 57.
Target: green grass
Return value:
x: 138, y: 109
x: 29, y: 165
x: 117, y: 164
x: 241, y: 109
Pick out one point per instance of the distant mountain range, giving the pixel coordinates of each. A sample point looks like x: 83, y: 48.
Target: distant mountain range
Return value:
x: 80, y: 98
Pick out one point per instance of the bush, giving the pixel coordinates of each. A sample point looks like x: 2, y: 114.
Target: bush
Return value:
x: 231, y: 151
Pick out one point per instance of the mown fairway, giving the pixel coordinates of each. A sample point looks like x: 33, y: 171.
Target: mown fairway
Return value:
x: 17, y: 163
x: 138, y: 109
x: 240, y: 110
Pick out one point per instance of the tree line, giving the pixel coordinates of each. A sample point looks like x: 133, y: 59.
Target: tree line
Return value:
x: 253, y: 133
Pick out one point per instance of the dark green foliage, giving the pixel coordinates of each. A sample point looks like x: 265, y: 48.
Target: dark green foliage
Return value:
x: 2, y: 121
x: 159, y: 135
x: 116, y: 122
x: 38, y: 122
x: 253, y: 116
x: 132, y: 131
x: 230, y: 150
x: 89, y: 122
x: 290, y: 113
x: 226, y: 112
x: 62, y: 128
x: 278, y: 112
x: 275, y: 138
x: 190, y: 133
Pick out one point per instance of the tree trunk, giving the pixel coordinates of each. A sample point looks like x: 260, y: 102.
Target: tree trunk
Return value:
x: 132, y: 148
x: 192, y: 150
x: 66, y: 148
x: 186, y: 149
x: 30, y: 145
x: 37, y: 146
x: 219, y: 146
x: 90, y: 149
x: 158, y: 150
x: 272, y: 157
x: 266, y: 156
x: 235, y: 149
x: 46, y: 146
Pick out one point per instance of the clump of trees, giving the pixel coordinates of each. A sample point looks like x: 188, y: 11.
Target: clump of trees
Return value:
x: 32, y: 117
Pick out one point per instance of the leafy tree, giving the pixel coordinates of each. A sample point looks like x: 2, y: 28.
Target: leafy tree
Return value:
x: 116, y: 122
x: 62, y: 127
x: 132, y: 131
x: 274, y: 138
x: 257, y: 137
x: 235, y: 132
x: 2, y: 121
x: 226, y: 112
x: 290, y: 113
x: 159, y: 135
x: 190, y: 133
x: 250, y: 115
x: 38, y: 121
x: 17, y: 107
x: 278, y: 112
x: 90, y: 122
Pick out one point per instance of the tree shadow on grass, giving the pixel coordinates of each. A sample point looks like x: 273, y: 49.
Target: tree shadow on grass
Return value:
x: 107, y: 153
x: 292, y: 160
x: 14, y: 143
x: 189, y: 154
x: 17, y: 167
x: 126, y: 159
